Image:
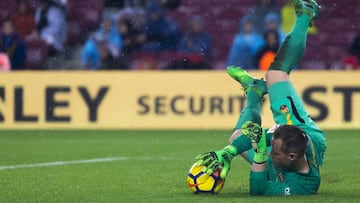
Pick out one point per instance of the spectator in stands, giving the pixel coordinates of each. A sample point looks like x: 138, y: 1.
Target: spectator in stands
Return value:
x: 272, y: 22
x: 13, y: 46
x: 62, y: 3
x: 169, y: 4
x: 132, y: 38
x: 166, y: 4
x: 260, y: 10
x: 355, y: 47
x: 51, y: 25
x: 109, y: 31
x: 265, y: 56
x: 119, y: 4
x: 352, y: 59
x: 162, y: 33
x: 195, y: 46
x: 90, y: 55
x: 245, y: 45
x: 4, y: 62
x: 110, y: 59
x: 98, y: 48
x: 105, y: 39
x: 351, y: 62
x: 138, y: 20
x: 23, y: 18
x: 116, y: 4
x: 135, y: 3
x: 288, y: 17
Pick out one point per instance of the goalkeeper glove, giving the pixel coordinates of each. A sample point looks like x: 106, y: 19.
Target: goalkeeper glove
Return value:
x: 216, y: 160
x: 258, y: 139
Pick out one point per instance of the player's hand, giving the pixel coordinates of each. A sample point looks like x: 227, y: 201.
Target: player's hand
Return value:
x: 217, y: 160
x: 258, y: 139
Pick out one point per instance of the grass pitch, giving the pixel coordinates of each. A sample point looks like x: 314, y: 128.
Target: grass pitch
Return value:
x: 146, y: 166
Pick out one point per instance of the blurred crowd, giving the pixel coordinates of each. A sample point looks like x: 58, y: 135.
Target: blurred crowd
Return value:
x: 135, y: 34
x: 142, y: 30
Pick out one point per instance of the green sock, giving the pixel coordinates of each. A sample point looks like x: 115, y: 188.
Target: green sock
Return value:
x: 293, y: 47
x: 251, y: 112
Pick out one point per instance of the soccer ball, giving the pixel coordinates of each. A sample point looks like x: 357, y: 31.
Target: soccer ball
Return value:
x: 200, y: 182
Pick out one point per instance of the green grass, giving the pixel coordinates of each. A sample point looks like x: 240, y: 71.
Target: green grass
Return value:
x: 154, y: 167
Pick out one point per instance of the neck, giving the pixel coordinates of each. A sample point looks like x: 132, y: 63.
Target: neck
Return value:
x: 302, y: 166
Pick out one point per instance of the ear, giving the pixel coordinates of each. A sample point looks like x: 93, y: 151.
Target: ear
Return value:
x: 292, y: 156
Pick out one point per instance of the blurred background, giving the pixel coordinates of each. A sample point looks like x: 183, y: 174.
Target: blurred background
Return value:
x: 70, y: 136
x: 170, y: 34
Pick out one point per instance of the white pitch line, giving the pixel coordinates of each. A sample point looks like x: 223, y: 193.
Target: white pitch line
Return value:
x: 61, y: 163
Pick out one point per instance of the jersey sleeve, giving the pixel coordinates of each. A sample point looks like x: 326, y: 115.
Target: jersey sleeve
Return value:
x: 259, y: 185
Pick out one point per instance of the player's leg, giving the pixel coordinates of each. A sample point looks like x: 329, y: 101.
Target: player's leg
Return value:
x: 286, y: 104
x: 255, y: 89
x: 293, y: 47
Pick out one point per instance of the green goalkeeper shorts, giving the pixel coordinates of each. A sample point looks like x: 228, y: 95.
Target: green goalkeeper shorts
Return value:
x: 287, y: 107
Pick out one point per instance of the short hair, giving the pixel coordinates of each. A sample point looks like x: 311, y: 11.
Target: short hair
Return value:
x: 294, y: 139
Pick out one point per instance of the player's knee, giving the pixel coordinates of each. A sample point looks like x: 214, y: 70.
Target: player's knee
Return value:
x: 273, y: 76
x: 269, y: 77
x: 235, y: 135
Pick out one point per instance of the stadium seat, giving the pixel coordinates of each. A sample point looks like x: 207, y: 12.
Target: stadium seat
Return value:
x: 144, y: 60
x: 6, y: 7
x: 37, y: 53
x: 83, y: 17
x: 313, y: 65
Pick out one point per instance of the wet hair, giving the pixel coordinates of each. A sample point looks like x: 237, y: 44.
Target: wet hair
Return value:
x: 294, y: 139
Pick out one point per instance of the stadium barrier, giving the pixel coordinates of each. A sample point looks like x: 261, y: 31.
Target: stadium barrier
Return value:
x: 161, y: 100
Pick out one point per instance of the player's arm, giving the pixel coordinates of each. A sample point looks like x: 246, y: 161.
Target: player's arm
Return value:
x: 221, y: 159
x: 291, y: 184
x: 258, y: 179
x: 258, y: 176
x: 259, y: 185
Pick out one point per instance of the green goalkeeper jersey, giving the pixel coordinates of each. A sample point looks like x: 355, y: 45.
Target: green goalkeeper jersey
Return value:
x: 281, y: 182
x: 288, y: 108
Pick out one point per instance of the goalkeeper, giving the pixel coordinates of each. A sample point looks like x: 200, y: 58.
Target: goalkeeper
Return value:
x: 286, y: 159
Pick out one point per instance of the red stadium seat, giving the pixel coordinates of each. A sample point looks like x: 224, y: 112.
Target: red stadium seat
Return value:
x: 83, y: 17
x: 7, y: 7
x: 37, y: 53
x: 144, y: 60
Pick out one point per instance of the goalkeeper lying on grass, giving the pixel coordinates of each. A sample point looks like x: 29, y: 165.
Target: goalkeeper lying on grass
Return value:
x: 296, y: 145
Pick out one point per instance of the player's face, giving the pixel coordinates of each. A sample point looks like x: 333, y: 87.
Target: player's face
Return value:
x: 280, y: 159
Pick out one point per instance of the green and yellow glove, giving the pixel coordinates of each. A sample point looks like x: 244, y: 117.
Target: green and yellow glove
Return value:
x: 258, y: 139
x: 217, y: 160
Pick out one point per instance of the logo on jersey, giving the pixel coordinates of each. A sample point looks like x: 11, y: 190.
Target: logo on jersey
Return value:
x: 287, y: 191
x: 284, y: 109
